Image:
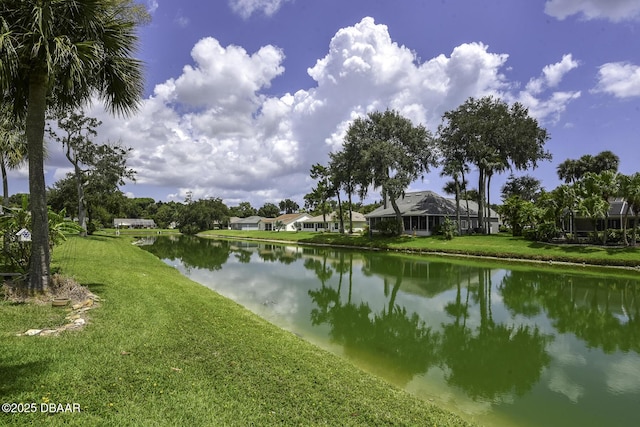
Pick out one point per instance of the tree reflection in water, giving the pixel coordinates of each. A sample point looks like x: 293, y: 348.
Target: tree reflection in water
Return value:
x: 488, y: 330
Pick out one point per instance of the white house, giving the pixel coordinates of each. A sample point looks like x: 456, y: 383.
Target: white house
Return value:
x: 288, y: 222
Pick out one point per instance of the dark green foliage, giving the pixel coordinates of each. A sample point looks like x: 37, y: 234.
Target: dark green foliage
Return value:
x: 391, y: 153
x: 545, y: 232
x: 269, y: 210
x: 448, y: 229
x: 388, y: 227
x: 201, y: 215
x: 492, y: 136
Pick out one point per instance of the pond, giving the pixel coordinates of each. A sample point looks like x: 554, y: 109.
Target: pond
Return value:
x: 498, y: 344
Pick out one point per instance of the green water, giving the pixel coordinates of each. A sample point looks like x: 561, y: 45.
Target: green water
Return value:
x: 498, y: 344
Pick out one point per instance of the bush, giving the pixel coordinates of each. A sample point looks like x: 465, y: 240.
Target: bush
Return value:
x: 448, y: 229
x: 389, y: 227
x: 544, y: 232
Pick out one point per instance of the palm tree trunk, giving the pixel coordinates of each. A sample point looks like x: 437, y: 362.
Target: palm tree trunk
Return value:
x: 466, y: 198
x: 340, y: 212
x: 350, y: 214
x: 458, y: 208
x: 488, y: 219
x: 481, y: 188
x: 5, y: 185
x: 624, y: 225
x: 5, y: 203
x: 40, y: 256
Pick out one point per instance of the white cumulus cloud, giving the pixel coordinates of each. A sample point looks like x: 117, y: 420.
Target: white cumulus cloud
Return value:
x: 620, y: 79
x: 246, y: 8
x: 214, y: 130
x: 613, y: 10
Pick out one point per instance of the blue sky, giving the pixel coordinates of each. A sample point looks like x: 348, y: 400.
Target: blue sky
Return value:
x: 243, y: 96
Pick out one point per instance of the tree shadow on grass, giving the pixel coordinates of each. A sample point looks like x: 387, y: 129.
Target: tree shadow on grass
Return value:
x: 15, y: 377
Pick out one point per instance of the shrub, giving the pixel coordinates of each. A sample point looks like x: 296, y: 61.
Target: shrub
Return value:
x: 544, y: 232
x: 448, y: 229
x: 389, y: 227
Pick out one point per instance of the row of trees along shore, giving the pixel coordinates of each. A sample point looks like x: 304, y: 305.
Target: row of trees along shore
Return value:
x: 386, y: 151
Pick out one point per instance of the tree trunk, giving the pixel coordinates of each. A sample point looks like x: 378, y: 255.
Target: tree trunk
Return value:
x: 487, y: 228
x: 458, y: 208
x: 40, y: 256
x: 350, y: 214
x: 396, y: 209
x: 5, y: 185
x: 5, y: 204
x: 466, y: 198
x: 82, y: 203
x: 624, y: 226
x: 340, y: 213
x: 481, y: 181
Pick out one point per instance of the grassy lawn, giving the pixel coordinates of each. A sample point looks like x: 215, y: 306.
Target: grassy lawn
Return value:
x: 497, y: 245
x: 162, y: 350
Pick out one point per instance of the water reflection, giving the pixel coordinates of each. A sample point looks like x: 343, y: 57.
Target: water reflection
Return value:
x: 491, y: 339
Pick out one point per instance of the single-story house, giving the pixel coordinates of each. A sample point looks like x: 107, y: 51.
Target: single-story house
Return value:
x: 249, y: 223
x: 424, y: 211
x: 615, y: 219
x: 133, y: 223
x: 332, y: 223
x: 290, y: 222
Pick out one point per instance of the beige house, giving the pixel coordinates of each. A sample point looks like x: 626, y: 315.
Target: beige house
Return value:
x: 332, y: 223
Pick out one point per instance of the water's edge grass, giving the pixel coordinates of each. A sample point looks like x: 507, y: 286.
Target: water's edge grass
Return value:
x: 164, y: 350
x: 501, y: 247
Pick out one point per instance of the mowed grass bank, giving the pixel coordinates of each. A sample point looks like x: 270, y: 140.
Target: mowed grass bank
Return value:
x: 496, y: 245
x: 162, y: 350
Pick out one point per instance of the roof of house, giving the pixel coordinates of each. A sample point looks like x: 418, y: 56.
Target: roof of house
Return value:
x: 129, y: 222
x: 286, y: 218
x: 333, y: 216
x: 420, y: 203
x: 248, y: 220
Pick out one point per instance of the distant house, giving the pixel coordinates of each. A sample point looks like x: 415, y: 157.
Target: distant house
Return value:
x: 332, y: 223
x: 133, y: 223
x: 288, y: 222
x: 249, y: 223
x: 424, y: 211
x: 615, y: 219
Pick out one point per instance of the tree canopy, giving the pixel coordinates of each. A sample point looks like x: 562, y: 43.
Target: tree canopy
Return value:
x: 393, y: 153
x: 492, y: 136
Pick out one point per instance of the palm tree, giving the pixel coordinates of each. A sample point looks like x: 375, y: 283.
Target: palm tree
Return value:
x: 567, y: 171
x: 57, y: 55
x: 454, y: 170
x: 630, y: 190
x: 13, y: 147
x: 610, y: 187
x: 595, y: 205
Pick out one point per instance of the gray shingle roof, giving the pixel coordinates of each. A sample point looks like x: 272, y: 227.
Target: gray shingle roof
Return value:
x: 426, y: 203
